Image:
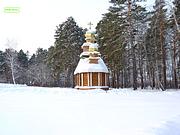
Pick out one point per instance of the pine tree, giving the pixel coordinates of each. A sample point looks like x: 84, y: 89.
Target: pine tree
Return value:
x: 23, y: 67
x: 127, y: 20
x: 150, y: 57
x: 111, y: 40
x: 177, y: 41
x: 140, y: 24
x: 64, y: 55
x: 23, y: 58
x: 174, y: 23
x: 159, y: 31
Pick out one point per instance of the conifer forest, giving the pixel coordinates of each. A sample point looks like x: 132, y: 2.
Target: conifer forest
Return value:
x: 140, y: 47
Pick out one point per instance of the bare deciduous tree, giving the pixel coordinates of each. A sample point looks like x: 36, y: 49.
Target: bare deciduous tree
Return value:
x: 11, y: 59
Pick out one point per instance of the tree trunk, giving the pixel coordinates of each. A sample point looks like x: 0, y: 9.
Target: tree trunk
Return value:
x: 153, y: 79
x: 125, y: 80
x: 12, y: 72
x: 174, y: 66
x: 142, y: 78
x: 122, y: 79
x: 141, y: 66
x: 134, y: 71
x: 163, y: 54
x: 117, y: 78
x: 132, y: 45
x: 113, y: 79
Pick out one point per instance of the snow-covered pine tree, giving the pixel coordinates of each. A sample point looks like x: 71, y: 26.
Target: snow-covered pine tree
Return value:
x: 23, y: 67
x: 64, y: 55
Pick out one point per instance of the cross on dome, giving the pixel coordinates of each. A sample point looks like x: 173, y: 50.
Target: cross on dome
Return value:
x: 90, y: 24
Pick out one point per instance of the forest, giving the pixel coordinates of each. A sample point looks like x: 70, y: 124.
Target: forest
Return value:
x: 140, y: 47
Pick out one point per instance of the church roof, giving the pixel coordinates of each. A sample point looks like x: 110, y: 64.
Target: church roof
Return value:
x: 86, y: 44
x: 85, y: 66
x: 93, y: 45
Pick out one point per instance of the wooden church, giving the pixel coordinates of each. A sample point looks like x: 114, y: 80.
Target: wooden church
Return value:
x: 91, y: 71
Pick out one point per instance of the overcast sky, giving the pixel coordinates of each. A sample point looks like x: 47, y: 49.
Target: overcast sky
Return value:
x: 35, y: 25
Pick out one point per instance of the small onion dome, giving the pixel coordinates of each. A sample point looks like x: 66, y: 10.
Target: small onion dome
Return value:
x: 90, y: 37
x: 93, y: 47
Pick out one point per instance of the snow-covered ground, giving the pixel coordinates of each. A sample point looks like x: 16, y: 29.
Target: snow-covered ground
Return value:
x: 61, y: 111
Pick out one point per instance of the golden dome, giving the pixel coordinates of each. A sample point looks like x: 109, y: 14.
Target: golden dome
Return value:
x: 90, y: 37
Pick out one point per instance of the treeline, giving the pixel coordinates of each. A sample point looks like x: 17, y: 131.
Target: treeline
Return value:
x: 17, y: 68
x: 141, y: 49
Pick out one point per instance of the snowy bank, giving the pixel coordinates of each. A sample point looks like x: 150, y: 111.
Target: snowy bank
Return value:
x: 61, y: 111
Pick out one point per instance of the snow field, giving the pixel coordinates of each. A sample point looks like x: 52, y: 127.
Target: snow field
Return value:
x: 62, y: 111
